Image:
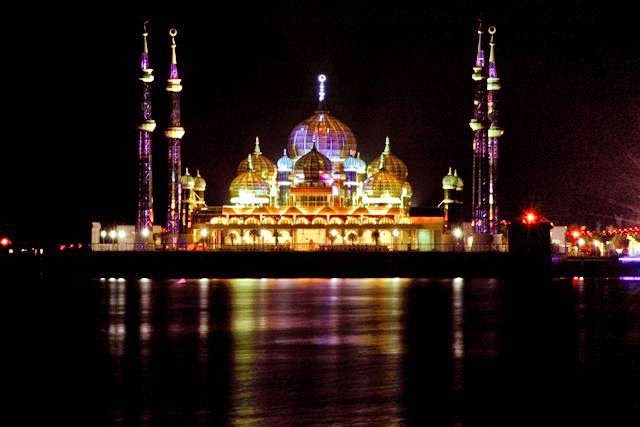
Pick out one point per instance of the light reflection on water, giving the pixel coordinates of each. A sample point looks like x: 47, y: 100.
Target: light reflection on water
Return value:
x: 370, y: 351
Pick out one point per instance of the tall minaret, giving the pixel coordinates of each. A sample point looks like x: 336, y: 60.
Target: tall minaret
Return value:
x: 174, y: 134
x: 144, y: 215
x: 494, y: 134
x: 479, y: 125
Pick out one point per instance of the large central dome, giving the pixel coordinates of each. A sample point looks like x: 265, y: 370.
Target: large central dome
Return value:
x: 333, y: 138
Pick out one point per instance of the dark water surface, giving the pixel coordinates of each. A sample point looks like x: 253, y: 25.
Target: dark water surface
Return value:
x: 365, y: 351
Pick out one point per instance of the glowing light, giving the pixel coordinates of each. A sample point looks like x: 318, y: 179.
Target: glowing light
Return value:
x: 122, y: 234
x: 457, y: 233
x: 334, y: 232
x: 630, y: 259
x: 4, y: 242
x: 113, y: 234
x: 103, y: 233
x: 630, y: 278
x: 576, y: 233
x: 321, y: 94
x: 204, y: 232
x: 144, y: 232
x: 395, y: 232
x: 530, y: 217
x: 581, y: 242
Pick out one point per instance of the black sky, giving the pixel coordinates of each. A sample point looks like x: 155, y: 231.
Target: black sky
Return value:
x: 570, y: 100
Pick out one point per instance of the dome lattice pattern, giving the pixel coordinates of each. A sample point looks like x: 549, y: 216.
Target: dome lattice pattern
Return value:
x: 333, y: 138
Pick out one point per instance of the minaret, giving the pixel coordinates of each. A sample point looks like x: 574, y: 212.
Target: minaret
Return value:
x: 174, y: 134
x: 479, y: 125
x: 144, y: 215
x: 494, y: 134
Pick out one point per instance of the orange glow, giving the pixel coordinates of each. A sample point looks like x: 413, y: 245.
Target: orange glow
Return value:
x: 4, y: 242
x: 576, y: 233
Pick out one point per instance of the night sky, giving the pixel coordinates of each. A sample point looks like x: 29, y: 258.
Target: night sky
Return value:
x: 570, y: 102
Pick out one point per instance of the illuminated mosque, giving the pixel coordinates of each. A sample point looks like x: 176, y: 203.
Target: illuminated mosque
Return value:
x: 319, y: 195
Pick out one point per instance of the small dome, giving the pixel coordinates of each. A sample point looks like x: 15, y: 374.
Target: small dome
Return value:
x: 392, y: 163
x: 314, y: 166
x: 351, y: 164
x: 261, y: 164
x: 187, y: 181
x: 285, y: 163
x: 200, y: 184
x: 459, y: 181
x: 450, y: 181
x: 383, y: 184
x: 249, y: 187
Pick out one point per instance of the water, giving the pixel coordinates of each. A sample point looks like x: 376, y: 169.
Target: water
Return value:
x: 365, y: 351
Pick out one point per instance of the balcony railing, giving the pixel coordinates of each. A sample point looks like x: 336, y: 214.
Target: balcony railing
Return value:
x: 288, y: 247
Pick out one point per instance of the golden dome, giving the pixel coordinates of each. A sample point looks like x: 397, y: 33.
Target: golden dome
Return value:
x: 314, y: 166
x: 187, y: 182
x: 383, y: 184
x: 249, y: 188
x: 261, y: 164
x: 392, y: 163
x: 200, y: 184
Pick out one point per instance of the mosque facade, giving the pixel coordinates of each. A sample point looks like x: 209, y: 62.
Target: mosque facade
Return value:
x: 320, y: 194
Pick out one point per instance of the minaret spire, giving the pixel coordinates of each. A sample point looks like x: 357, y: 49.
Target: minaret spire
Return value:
x: 321, y: 92
x: 144, y: 214
x: 174, y: 134
x: 479, y: 124
x: 494, y: 133
x: 387, y: 146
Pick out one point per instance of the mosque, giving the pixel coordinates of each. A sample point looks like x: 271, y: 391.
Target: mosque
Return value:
x: 319, y: 195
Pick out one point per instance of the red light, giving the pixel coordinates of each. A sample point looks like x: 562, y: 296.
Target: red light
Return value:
x: 63, y: 247
x: 530, y: 217
x: 79, y: 245
x: 4, y: 242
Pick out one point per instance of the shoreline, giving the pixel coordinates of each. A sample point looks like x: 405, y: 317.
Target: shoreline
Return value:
x: 309, y: 264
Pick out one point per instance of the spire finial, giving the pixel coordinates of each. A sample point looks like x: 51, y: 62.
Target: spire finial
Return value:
x: 381, y: 165
x: 250, y: 162
x: 257, y: 148
x: 480, y: 52
x: 145, y: 33
x: 285, y: 152
x: 197, y: 172
x: 144, y: 62
x: 492, y: 31
x: 449, y: 170
x: 455, y: 172
x: 186, y: 171
x: 174, y: 61
x: 387, y: 145
x: 321, y: 92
